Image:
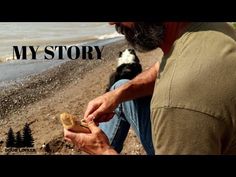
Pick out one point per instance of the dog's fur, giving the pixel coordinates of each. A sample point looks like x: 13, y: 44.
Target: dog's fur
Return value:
x: 127, y: 68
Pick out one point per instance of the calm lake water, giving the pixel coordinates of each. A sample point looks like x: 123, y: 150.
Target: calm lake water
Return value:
x: 50, y: 33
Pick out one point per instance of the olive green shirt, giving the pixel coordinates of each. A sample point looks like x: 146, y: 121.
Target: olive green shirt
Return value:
x: 193, y: 109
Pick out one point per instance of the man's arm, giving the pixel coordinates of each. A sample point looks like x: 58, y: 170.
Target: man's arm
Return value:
x: 102, y: 107
x: 142, y: 85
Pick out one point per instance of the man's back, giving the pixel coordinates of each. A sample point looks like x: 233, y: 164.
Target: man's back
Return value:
x: 194, y: 101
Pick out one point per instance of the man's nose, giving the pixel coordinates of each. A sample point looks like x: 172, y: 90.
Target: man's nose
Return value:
x: 126, y: 24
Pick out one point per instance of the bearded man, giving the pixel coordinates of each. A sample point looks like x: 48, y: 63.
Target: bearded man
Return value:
x: 192, y: 109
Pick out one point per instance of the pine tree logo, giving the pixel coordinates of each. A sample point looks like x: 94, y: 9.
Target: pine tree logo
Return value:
x: 10, y: 139
x: 19, y: 140
x: 28, y: 140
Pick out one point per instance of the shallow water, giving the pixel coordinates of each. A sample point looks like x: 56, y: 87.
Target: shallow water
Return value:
x: 50, y: 33
x: 43, y: 34
x: 17, y: 70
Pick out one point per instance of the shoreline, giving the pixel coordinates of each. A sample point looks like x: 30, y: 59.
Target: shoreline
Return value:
x: 16, y: 70
x: 26, y: 90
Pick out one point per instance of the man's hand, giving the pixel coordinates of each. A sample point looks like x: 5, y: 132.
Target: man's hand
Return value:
x: 101, y: 109
x: 95, y: 142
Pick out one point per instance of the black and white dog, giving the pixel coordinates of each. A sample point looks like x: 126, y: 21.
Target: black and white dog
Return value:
x: 127, y: 68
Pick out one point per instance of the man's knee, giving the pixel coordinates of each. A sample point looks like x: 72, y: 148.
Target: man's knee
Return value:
x: 119, y: 83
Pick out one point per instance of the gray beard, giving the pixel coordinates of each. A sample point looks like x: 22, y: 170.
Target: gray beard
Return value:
x: 144, y: 36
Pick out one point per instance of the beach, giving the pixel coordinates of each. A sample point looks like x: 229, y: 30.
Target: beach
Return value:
x: 67, y: 87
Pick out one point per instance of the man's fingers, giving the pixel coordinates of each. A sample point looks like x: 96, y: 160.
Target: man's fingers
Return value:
x: 74, y: 138
x: 90, y: 108
x: 105, y: 117
x: 69, y: 135
x: 97, y: 113
x: 100, y: 118
x: 93, y: 127
x: 67, y: 139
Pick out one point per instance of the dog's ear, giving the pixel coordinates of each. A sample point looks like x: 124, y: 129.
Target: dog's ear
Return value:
x: 136, y: 59
x: 120, y: 54
x: 131, y: 51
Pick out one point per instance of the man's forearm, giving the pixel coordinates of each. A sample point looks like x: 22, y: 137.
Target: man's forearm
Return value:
x: 140, y: 86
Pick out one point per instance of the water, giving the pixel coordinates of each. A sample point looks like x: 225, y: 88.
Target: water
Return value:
x: 42, y: 34
x: 50, y: 33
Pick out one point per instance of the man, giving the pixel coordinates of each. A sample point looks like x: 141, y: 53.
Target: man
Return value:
x: 193, y: 106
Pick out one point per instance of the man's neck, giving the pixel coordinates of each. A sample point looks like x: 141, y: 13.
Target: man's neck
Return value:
x: 173, y: 30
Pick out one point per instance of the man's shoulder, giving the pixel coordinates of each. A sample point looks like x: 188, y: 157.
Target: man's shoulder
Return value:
x: 202, y: 42
x: 201, y: 75
x: 205, y: 38
x: 216, y: 30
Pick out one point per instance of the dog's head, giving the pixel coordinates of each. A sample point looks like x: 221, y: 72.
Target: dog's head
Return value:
x: 128, y: 66
x: 128, y: 56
